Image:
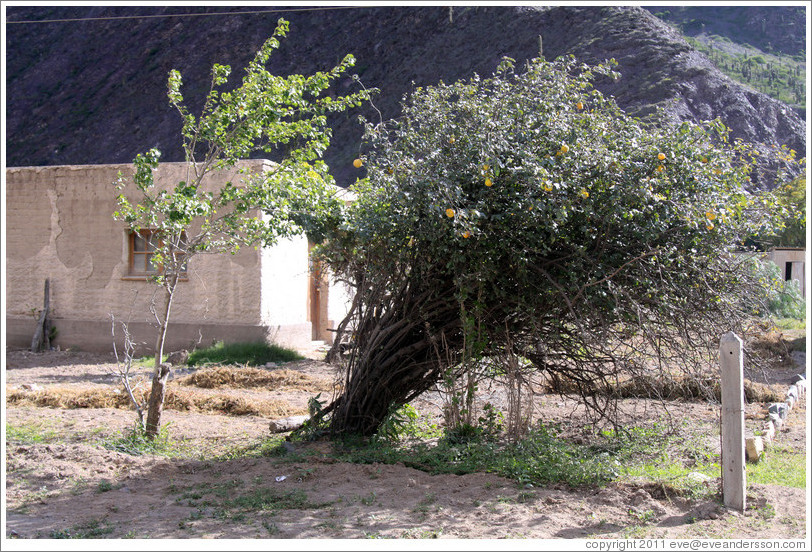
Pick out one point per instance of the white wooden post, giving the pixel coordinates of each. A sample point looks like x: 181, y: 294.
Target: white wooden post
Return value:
x: 734, y: 479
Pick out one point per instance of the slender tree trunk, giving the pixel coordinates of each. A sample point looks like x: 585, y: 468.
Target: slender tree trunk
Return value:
x: 156, y: 400
x: 161, y: 373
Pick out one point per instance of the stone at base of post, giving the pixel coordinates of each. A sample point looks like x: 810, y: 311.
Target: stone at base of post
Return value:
x: 769, y: 432
x: 753, y: 449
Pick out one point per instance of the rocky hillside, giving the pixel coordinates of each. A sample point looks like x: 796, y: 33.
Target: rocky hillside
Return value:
x: 767, y: 28
x: 94, y: 91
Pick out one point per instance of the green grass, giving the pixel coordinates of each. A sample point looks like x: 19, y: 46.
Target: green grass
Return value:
x: 790, y: 323
x: 252, y: 354
x: 232, y: 500
x: 780, y: 465
x: 651, y: 454
x: 542, y: 458
x: 147, y: 361
x: 92, y: 529
x: 136, y: 443
x: 30, y: 434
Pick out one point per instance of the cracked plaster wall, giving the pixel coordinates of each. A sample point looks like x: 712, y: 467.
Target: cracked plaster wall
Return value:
x: 60, y: 226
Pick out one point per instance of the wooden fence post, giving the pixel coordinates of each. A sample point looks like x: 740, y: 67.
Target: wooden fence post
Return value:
x: 734, y: 479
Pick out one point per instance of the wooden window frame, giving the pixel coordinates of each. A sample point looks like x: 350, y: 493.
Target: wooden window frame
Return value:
x: 148, y: 236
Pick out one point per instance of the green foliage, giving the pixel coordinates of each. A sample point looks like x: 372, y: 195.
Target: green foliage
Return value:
x: 283, y: 116
x: 540, y: 459
x: 651, y: 454
x: 790, y: 323
x: 780, y: 76
x: 266, y: 113
x: 315, y: 426
x: 781, y: 299
x: 136, y: 442
x: 405, y: 423
x: 489, y: 427
x: 250, y: 353
x: 527, y: 214
x: 792, y: 197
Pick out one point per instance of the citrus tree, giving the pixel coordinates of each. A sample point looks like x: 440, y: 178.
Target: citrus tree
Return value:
x: 526, y: 217
x: 285, y: 116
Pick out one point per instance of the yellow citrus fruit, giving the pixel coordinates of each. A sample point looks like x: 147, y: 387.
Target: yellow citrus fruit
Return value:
x: 711, y: 215
x: 660, y: 168
x: 579, y: 106
x: 357, y: 163
x: 449, y: 213
x: 584, y: 194
x: 466, y: 234
x: 661, y: 156
x: 452, y: 140
x: 564, y: 148
x: 485, y: 167
x: 488, y: 182
x: 709, y: 226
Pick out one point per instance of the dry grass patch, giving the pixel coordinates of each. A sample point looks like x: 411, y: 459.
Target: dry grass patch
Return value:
x: 278, y: 380
x: 694, y: 388
x: 65, y: 397
x: 181, y: 399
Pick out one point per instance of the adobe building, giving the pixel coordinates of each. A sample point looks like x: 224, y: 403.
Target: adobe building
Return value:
x: 59, y: 226
x: 790, y: 261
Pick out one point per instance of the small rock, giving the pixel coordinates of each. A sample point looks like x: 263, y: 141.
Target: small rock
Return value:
x: 287, y: 424
x: 769, y: 432
x: 753, y: 449
x: 697, y: 477
x: 778, y: 409
x: 178, y: 357
x: 32, y: 387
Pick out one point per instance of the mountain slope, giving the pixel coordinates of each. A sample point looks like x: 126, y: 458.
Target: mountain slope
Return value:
x: 767, y: 28
x: 94, y: 91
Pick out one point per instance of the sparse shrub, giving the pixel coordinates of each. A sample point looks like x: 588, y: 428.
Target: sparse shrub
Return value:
x: 405, y: 423
x: 137, y: 443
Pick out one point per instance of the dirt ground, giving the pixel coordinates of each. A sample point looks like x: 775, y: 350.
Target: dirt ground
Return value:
x: 70, y: 485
